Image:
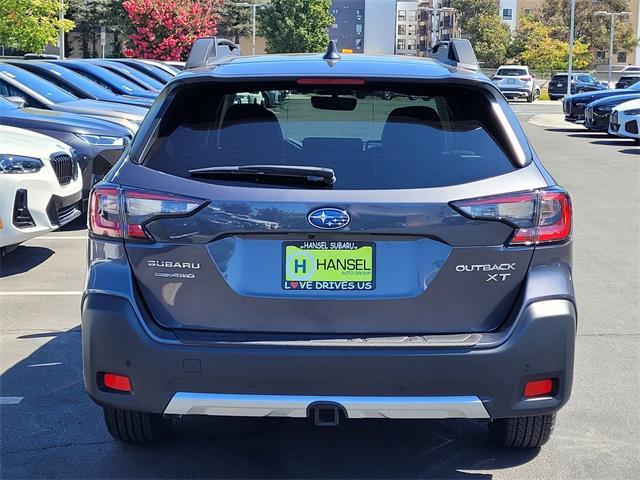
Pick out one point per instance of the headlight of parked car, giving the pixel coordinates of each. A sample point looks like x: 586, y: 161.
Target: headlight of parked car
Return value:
x: 635, y: 111
x: 102, y: 140
x: 19, y: 164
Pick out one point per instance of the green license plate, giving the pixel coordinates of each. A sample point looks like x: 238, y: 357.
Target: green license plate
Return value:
x: 328, y: 265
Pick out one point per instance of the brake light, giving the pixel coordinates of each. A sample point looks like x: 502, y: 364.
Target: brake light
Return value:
x: 330, y: 81
x: 123, y: 212
x: 538, y: 217
x: 527, y: 78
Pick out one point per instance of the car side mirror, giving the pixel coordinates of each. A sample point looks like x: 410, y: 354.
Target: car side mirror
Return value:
x: 17, y: 101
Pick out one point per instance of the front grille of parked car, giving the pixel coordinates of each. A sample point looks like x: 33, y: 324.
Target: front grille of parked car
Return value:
x: 21, y: 216
x: 65, y: 168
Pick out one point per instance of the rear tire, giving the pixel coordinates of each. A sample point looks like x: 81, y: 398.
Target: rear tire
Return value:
x: 523, y: 432
x: 136, y: 427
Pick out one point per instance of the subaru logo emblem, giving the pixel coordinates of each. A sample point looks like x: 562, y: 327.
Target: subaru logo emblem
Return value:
x: 329, y: 218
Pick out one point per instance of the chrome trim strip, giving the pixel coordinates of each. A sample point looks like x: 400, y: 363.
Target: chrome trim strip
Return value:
x: 237, y: 405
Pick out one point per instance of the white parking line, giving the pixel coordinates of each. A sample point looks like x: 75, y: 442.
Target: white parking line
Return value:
x: 61, y: 237
x: 42, y: 293
x: 50, y: 364
x: 10, y: 400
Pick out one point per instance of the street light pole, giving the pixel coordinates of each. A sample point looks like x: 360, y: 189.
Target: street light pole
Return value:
x: 61, y: 30
x: 571, y: 38
x: 254, y: 7
x: 612, y: 16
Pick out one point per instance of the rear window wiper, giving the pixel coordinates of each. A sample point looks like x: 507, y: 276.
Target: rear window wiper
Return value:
x: 273, y: 174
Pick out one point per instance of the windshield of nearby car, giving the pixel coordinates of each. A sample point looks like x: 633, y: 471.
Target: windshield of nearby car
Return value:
x: 372, y: 139
x: 37, y: 84
x: 108, y: 79
x: 143, y: 79
x: 80, y: 81
x: 512, y: 72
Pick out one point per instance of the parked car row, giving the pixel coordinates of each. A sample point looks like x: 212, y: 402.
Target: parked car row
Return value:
x: 615, y: 111
x: 63, y: 125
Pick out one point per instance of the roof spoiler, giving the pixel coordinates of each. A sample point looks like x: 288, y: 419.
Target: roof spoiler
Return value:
x: 206, y: 50
x: 457, y: 52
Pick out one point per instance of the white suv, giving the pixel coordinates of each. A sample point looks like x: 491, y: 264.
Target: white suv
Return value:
x: 40, y: 185
x: 625, y: 120
x: 515, y: 81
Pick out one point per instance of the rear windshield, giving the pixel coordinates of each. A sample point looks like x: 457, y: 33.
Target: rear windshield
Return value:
x: 372, y: 139
x: 559, y: 77
x: 512, y: 72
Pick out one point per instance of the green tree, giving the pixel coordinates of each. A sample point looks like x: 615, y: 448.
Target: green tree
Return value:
x: 235, y: 21
x: 534, y: 45
x: 90, y: 15
x: 30, y: 25
x: 590, y: 29
x: 291, y: 26
x: 470, y: 9
x: 481, y: 24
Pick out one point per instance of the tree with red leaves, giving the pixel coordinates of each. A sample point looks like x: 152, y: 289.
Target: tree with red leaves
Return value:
x: 166, y: 29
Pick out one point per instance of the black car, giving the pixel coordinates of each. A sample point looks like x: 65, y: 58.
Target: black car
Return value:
x: 336, y: 257
x: 597, y: 112
x: 575, y: 105
x: 78, y: 84
x: 106, y: 78
x: 581, y: 82
x: 40, y: 93
x: 627, y: 80
x: 98, y: 143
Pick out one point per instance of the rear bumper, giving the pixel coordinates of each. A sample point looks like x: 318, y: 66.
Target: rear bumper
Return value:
x: 393, y: 382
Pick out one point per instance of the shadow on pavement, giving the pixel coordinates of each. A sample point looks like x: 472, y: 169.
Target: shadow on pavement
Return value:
x: 616, y: 142
x: 57, y: 432
x: 631, y: 151
x: 23, y: 259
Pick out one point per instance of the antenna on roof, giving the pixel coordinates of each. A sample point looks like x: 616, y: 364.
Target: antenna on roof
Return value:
x: 332, y: 51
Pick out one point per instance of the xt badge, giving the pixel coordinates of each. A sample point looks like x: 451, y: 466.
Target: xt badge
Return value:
x: 499, y: 276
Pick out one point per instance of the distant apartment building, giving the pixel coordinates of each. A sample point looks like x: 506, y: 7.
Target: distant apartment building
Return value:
x: 348, y: 27
x: 437, y: 21
x: 406, y: 28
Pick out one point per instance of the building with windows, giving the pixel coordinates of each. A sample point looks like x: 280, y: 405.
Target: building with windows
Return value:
x: 406, y: 28
x: 437, y: 21
x: 348, y: 27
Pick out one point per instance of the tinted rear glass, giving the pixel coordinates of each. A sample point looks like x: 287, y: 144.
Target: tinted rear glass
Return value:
x: 512, y: 72
x: 372, y: 139
x: 559, y: 78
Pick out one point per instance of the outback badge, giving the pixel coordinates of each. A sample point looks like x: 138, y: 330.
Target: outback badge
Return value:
x: 329, y: 218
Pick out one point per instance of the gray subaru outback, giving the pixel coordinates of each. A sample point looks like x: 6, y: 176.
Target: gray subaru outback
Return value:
x: 332, y: 238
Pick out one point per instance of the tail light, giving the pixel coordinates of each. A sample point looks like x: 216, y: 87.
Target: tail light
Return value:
x: 527, y: 78
x: 123, y: 212
x: 538, y: 217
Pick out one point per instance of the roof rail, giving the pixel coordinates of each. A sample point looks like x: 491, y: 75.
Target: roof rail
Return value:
x: 457, y: 52
x: 206, y: 50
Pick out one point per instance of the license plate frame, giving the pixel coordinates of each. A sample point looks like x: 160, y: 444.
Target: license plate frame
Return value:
x: 327, y: 265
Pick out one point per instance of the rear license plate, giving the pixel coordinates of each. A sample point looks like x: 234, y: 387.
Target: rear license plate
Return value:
x: 328, y: 265
x: 511, y: 81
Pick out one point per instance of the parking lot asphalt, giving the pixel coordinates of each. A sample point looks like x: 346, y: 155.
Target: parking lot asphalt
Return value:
x: 50, y: 429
